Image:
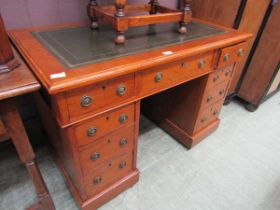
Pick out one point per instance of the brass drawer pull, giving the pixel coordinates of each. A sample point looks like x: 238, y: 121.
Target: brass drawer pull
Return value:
x: 95, y: 156
x: 202, y: 64
x: 210, y: 98
x: 86, y: 101
x: 240, y: 52
x: 222, y: 92
x: 216, y: 78
x: 122, y: 165
x: 215, y: 113
x: 158, y: 77
x: 227, y: 57
x: 203, y: 120
x: 184, y: 65
x: 227, y: 73
x: 97, y: 180
x: 123, y: 142
x: 121, y: 90
x: 92, y: 131
x: 123, y: 118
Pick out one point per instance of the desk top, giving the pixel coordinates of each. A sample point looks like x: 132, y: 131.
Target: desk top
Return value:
x: 68, y: 56
x: 79, y: 46
x: 17, y: 82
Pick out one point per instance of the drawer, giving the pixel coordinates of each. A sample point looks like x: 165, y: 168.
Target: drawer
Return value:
x: 89, y: 131
x: 165, y: 76
x: 105, y: 148
x: 108, y: 173
x: 232, y: 54
x: 208, y: 115
x: 95, y: 98
x: 215, y: 94
x: 220, y: 76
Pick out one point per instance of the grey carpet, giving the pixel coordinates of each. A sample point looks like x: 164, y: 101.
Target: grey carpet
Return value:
x: 236, y: 168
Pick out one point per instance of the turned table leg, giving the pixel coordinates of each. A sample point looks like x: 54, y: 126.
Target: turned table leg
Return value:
x: 186, y: 10
x: 92, y: 14
x: 15, y: 128
x: 120, y: 5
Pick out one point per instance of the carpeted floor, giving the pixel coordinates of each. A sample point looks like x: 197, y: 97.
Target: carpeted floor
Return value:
x: 236, y: 168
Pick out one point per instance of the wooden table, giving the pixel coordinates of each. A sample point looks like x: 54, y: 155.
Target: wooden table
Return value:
x: 12, y: 84
x: 92, y: 92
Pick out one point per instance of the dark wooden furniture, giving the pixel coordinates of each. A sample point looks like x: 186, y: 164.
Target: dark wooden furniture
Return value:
x: 18, y: 82
x: 262, y: 77
x: 123, y: 16
x: 244, y: 15
x: 90, y: 105
x: 7, y: 60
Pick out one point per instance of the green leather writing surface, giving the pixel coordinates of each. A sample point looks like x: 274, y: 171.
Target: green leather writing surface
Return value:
x: 78, y: 46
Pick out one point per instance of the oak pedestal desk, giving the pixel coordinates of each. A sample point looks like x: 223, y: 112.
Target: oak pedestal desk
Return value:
x: 90, y: 103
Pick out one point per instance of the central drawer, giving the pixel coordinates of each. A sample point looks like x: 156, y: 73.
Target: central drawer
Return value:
x: 165, y: 76
x: 101, y: 96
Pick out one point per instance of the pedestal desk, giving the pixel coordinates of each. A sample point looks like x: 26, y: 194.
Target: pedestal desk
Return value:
x: 90, y: 103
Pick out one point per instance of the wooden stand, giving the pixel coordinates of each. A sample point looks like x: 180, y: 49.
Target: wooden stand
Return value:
x: 7, y: 60
x: 12, y: 120
x: 18, y: 82
x: 121, y: 16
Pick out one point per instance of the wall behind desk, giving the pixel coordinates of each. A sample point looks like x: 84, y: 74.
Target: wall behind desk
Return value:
x: 28, y: 13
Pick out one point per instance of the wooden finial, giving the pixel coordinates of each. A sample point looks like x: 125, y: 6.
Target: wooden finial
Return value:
x: 120, y: 5
x: 186, y: 11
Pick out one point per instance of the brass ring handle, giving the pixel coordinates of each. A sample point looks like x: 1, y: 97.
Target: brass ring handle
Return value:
x: 95, y: 156
x: 158, y: 77
x: 86, y: 101
x: 97, y: 180
x: 210, y: 98
x: 121, y: 90
x: 227, y: 57
x: 123, y: 142
x: 201, y: 64
x: 92, y: 131
x: 222, y: 92
x: 123, y: 118
x: 184, y: 65
x: 216, y: 78
x: 240, y: 52
x: 122, y: 165
x: 203, y: 120
x: 215, y: 113
x: 227, y: 73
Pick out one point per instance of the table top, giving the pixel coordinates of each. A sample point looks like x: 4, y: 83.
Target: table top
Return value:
x: 70, y: 55
x: 17, y: 82
x: 80, y: 46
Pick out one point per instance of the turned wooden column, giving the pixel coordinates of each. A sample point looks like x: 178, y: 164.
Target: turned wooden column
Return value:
x: 120, y: 5
x: 186, y: 13
x: 7, y: 59
x: 92, y: 14
x: 153, y: 4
